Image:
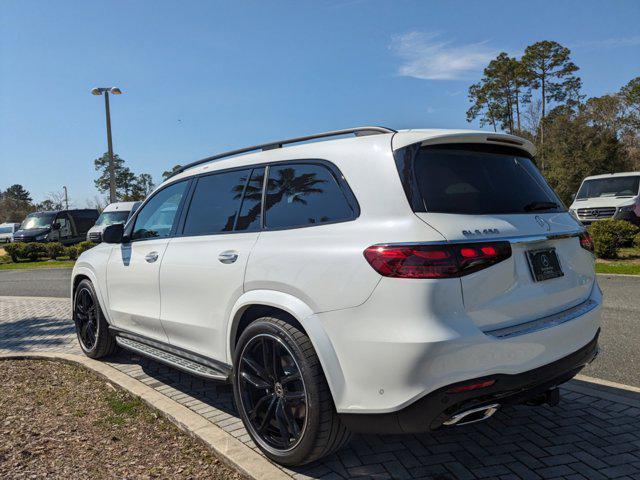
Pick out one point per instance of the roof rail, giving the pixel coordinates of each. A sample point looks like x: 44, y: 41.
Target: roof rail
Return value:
x: 358, y: 132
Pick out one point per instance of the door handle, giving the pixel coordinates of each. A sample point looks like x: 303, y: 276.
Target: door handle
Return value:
x: 228, y: 256
x: 151, y: 257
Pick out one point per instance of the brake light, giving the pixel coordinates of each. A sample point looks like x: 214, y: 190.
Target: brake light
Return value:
x: 435, y: 261
x: 586, y: 241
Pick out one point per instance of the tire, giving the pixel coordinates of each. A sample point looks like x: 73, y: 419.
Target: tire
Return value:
x: 92, y: 328
x: 297, y: 431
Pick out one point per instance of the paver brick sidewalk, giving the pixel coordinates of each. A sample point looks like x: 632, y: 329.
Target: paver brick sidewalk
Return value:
x: 593, y: 434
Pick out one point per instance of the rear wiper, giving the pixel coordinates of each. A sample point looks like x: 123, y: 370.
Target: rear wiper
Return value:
x: 533, y: 206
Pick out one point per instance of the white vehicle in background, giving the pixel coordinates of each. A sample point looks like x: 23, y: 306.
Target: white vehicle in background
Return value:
x: 7, y: 230
x: 613, y: 195
x: 118, y: 212
x: 395, y: 282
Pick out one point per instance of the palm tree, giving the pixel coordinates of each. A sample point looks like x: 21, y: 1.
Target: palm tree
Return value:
x: 287, y: 184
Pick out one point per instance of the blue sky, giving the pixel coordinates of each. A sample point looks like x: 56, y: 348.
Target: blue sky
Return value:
x: 201, y: 77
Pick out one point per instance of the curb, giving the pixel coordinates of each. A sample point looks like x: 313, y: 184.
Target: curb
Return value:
x: 232, y: 452
x: 618, y: 275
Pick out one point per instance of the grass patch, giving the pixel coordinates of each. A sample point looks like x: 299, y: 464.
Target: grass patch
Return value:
x: 623, y: 268
x: 123, y: 405
x: 37, y: 264
x: 627, y: 263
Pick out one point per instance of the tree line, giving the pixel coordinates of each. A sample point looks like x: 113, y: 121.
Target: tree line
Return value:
x: 538, y: 96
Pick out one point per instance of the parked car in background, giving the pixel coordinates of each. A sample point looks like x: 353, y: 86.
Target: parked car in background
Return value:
x: 118, y: 212
x: 64, y: 226
x: 395, y: 282
x: 7, y: 230
x: 613, y: 195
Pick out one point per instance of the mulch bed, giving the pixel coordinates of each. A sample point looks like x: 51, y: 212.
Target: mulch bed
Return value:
x: 61, y: 421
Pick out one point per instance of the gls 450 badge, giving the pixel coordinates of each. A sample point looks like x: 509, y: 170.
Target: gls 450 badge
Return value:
x: 484, y: 231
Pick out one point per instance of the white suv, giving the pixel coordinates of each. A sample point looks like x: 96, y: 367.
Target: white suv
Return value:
x: 392, y: 282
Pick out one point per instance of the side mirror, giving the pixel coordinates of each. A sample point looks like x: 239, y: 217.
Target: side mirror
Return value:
x: 113, y: 233
x: 573, y: 196
x: 55, y: 226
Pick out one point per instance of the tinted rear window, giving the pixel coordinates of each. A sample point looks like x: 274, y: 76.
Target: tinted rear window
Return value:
x: 479, y: 182
x: 304, y: 194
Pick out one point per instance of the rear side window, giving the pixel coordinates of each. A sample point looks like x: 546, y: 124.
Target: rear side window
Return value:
x: 476, y: 182
x: 250, y: 217
x: 302, y: 194
x: 216, y: 203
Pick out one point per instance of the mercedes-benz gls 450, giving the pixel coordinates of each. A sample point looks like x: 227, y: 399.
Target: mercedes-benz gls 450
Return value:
x: 371, y: 280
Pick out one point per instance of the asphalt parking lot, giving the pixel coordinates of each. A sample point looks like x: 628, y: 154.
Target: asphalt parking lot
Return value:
x: 619, y: 360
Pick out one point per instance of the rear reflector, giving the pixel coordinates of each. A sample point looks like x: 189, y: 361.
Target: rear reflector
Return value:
x: 586, y: 241
x: 471, y: 386
x: 435, y: 261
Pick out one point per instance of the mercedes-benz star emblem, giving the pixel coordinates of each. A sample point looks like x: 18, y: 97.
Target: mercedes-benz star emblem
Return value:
x: 545, y: 261
x: 543, y: 223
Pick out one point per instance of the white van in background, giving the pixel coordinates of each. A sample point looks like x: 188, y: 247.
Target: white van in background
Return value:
x: 118, y: 212
x: 7, y: 230
x: 612, y: 195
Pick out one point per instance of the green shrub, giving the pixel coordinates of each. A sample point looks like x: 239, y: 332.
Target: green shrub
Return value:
x: 33, y: 251
x: 71, y: 251
x: 54, y: 250
x: 606, y: 245
x: 636, y: 241
x: 622, y: 231
x: 14, y: 250
x: 84, y: 246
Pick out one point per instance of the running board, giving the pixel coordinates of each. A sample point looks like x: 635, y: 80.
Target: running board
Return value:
x: 172, y: 359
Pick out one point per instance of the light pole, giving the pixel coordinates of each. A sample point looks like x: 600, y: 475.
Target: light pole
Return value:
x: 112, y: 173
x: 66, y: 197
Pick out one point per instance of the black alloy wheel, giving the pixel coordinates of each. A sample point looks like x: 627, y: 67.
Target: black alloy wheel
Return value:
x: 92, y: 328
x: 273, y: 393
x: 86, y: 318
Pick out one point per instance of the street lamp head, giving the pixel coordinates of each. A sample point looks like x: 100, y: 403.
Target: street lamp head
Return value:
x: 101, y: 90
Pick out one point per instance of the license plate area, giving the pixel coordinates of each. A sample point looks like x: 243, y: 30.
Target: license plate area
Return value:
x: 544, y: 264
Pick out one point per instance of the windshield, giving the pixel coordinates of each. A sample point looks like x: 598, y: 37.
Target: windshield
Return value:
x: 110, y: 218
x: 609, y: 187
x: 37, y: 220
x: 6, y: 230
x: 477, y: 182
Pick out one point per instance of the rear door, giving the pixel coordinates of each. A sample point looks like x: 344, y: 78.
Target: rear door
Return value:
x: 476, y: 193
x: 203, y: 268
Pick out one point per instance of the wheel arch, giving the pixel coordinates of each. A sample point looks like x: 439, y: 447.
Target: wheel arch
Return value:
x: 84, y: 273
x: 258, y: 303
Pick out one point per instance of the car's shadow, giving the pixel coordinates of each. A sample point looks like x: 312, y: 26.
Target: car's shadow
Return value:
x: 36, y: 332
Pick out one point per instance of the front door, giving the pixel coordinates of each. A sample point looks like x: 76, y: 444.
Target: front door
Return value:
x: 202, y: 273
x: 134, y: 266
x: 62, y: 231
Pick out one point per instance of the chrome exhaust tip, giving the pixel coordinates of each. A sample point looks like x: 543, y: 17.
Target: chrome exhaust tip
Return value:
x: 473, y: 415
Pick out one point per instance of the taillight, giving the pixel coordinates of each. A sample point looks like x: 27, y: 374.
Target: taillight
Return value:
x: 435, y: 261
x: 586, y: 241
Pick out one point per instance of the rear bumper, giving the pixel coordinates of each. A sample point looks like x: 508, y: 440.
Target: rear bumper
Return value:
x: 429, y: 412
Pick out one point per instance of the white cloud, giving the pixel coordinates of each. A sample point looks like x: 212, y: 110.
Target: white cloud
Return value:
x: 609, y: 43
x: 427, y: 57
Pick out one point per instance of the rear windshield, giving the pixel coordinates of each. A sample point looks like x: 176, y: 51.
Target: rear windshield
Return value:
x: 609, y: 187
x: 476, y: 182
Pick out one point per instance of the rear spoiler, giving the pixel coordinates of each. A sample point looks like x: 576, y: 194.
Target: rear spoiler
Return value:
x: 427, y: 137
